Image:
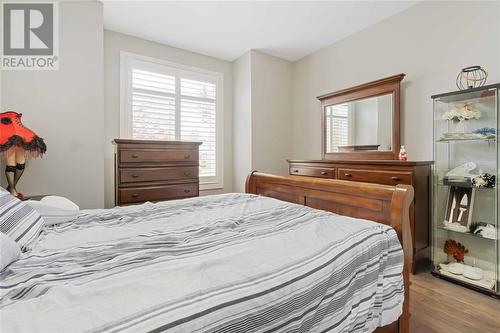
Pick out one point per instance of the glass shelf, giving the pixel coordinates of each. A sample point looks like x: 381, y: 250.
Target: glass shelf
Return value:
x: 486, y: 189
x: 469, y: 283
x: 466, y: 140
x: 469, y: 234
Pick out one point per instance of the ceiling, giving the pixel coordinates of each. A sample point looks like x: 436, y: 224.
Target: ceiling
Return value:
x: 225, y: 30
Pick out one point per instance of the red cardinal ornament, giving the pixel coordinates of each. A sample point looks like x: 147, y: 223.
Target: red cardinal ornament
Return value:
x: 455, y: 250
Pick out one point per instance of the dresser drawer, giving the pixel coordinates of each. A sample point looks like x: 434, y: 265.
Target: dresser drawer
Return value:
x: 138, y: 175
x: 150, y: 155
x: 157, y: 193
x: 312, y: 172
x: 379, y: 177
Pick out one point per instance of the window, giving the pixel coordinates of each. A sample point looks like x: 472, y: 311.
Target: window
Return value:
x: 166, y: 101
x: 337, y: 126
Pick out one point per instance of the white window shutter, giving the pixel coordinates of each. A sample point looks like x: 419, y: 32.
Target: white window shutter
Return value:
x: 198, y: 121
x: 337, y: 126
x: 153, y: 106
x: 174, y: 103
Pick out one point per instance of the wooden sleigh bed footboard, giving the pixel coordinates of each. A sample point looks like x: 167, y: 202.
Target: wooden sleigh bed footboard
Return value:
x: 380, y: 203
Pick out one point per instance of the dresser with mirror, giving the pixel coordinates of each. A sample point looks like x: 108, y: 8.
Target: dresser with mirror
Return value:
x: 360, y: 141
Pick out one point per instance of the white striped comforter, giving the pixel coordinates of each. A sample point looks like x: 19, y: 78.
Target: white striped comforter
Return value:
x: 224, y: 263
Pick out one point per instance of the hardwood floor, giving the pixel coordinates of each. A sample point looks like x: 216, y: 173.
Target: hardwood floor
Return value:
x: 439, y: 306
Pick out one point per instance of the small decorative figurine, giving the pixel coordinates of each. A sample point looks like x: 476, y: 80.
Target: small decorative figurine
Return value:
x: 16, y: 143
x: 471, y: 77
x: 403, y: 156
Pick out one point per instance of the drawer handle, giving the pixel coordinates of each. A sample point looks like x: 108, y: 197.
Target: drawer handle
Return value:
x: 323, y: 173
x: 395, y: 178
x: 348, y: 175
x: 187, y: 156
x: 187, y: 191
x: 135, y: 156
x: 135, y: 175
x: 187, y: 173
x: 135, y: 195
x: 295, y: 170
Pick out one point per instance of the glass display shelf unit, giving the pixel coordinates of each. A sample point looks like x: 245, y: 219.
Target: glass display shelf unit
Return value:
x: 465, y: 232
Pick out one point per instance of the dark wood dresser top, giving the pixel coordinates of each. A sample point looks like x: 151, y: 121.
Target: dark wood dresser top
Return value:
x: 156, y: 142
x: 371, y: 162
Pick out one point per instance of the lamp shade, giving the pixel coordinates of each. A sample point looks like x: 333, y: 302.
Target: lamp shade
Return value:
x: 14, y: 135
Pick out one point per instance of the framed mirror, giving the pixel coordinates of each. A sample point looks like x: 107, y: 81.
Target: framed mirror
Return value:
x: 362, y: 122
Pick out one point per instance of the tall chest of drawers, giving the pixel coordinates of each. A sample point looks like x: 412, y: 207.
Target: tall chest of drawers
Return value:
x: 386, y: 172
x: 147, y: 170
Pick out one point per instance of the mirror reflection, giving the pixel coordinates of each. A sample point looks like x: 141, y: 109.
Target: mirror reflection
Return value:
x: 361, y: 125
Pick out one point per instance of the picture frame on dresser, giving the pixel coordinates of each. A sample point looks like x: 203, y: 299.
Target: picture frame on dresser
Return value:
x: 153, y: 170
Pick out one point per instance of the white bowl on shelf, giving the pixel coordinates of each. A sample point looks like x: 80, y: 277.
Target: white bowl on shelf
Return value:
x: 456, y: 268
x: 473, y: 273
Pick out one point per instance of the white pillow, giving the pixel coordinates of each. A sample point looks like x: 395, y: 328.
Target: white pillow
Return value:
x: 19, y: 221
x: 60, y: 202
x: 55, y: 209
x: 9, y: 251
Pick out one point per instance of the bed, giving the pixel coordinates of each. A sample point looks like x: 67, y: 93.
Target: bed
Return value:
x: 224, y: 263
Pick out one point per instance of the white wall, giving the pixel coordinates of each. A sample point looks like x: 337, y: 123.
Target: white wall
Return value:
x: 242, y: 121
x: 271, y: 113
x: 65, y: 107
x: 262, y: 116
x: 114, y: 43
x: 430, y: 42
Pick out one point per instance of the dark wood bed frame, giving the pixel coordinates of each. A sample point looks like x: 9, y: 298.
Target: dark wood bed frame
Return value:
x: 381, y: 203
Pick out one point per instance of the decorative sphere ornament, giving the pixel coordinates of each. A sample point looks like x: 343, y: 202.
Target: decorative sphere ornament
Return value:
x: 471, y: 77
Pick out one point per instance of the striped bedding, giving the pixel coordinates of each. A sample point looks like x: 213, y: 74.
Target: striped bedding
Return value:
x: 223, y: 263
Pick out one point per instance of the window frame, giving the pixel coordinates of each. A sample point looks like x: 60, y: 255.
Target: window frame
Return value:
x: 127, y: 62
